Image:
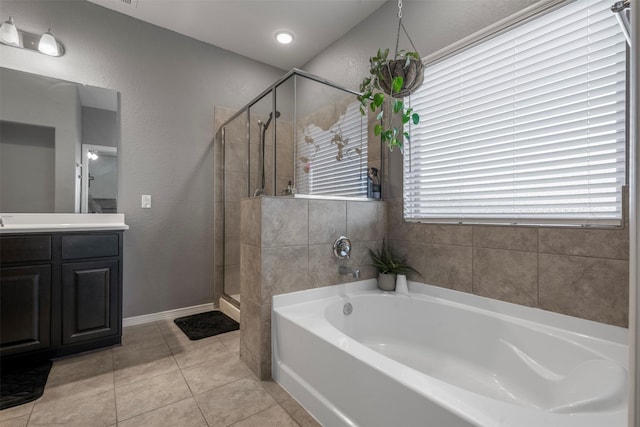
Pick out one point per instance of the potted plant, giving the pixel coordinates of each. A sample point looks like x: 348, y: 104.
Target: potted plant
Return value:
x: 397, y: 78
x: 389, y: 265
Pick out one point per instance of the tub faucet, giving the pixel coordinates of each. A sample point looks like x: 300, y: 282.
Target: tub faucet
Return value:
x: 345, y: 269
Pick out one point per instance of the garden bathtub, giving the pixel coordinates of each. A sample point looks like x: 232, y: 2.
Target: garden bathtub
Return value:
x: 442, y: 358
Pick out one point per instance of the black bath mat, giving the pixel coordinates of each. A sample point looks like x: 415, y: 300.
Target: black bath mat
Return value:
x: 207, y: 324
x: 22, y: 381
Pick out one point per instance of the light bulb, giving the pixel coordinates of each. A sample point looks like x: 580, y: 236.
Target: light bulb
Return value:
x: 284, y: 37
x: 9, y: 33
x: 48, y: 44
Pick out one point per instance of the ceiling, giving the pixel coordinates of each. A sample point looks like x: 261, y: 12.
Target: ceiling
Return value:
x: 247, y: 27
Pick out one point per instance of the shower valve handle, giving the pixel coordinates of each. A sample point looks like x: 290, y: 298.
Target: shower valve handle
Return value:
x: 342, y: 247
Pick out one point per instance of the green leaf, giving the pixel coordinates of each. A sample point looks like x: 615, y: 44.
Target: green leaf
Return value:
x: 380, y: 115
x: 416, y: 118
x: 397, y: 83
x: 398, y: 105
x: 377, y: 129
x: 372, y: 106
x: 378, y: 99
x: 405, y: 119
x: 364, y: 113
x: 407, y: 136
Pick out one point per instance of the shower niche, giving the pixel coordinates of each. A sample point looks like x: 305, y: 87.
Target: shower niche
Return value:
x: 302, y: 137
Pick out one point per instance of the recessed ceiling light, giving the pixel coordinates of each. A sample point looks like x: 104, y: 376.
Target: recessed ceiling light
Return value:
x: 284, y: 37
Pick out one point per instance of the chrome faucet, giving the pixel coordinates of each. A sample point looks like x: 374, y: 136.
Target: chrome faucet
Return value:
x: 345, y: 269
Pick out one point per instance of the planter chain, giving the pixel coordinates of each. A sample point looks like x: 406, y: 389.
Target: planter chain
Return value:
x: 401, y: 26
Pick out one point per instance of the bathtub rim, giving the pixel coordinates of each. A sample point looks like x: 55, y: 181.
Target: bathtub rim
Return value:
x: 588, y: 329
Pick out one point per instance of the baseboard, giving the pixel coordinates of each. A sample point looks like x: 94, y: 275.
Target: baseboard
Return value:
x: 230, y: 310
x: 169, y: 314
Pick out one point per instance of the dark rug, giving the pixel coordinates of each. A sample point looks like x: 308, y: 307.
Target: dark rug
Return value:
x: 22, y: 381
x: 207, y: 324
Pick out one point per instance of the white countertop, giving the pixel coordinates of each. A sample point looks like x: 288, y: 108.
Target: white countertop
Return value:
x: 48, y: 222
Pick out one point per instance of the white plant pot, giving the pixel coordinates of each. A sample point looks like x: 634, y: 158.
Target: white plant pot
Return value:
x: 386, y: 282
x: 401, y: 284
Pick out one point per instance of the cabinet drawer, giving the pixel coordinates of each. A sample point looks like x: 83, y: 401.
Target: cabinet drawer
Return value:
x: 90, y: 246
x: 25, y: 248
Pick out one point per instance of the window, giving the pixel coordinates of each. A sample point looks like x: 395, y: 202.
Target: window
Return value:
x: 526, y: 127
x: 333, y: 162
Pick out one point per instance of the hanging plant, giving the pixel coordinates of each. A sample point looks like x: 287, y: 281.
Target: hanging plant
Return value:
x: 397, y: 78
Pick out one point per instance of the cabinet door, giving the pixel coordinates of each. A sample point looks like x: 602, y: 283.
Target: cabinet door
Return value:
x: 25, y: 308
x: 90, y: 300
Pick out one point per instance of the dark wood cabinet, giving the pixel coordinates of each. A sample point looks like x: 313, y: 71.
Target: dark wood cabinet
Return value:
x: 25, y: 308
x: 89, y: 300
x: 60, y: 293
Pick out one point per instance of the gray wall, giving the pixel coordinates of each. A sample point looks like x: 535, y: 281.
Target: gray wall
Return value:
x: 168, y: 87
x: 27, y: 168
x: 432, y: 25
x: 99, y: 127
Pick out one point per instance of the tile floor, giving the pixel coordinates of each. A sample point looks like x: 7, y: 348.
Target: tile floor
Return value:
x: 158, y: 377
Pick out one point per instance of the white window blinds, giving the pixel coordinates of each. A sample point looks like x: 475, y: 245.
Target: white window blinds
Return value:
x: 527, y: 127
x: 333, y: 162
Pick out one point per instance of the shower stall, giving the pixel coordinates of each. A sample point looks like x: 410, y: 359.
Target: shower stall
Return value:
x: 301, y: 137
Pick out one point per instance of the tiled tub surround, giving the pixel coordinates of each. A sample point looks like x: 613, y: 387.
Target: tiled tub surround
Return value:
x: 574, y: 271
x: 287, y: 245
x: 579, y: 272
x: 159, y: 378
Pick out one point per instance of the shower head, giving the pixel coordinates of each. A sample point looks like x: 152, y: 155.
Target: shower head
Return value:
x: 266, y: 125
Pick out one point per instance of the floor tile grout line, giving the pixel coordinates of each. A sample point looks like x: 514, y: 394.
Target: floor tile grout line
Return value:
x: 253, y: 415
x: 218, y: 386
x: 2, y: 420
x: 211, y: 389
x: 146, y: 377
x: 290, y: 414
x: 113, y: 377
x: 155, y: 409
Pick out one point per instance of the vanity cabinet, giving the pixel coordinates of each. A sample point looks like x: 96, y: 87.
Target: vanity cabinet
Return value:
x: 25, y: 308
x: 60, y: 293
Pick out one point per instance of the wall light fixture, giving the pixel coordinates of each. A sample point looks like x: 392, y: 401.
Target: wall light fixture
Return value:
x: 46, y: 43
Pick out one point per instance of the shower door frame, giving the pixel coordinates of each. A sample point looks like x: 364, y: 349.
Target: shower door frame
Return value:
x: 247, y: 109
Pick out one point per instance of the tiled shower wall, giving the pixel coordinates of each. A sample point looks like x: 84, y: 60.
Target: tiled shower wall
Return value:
x: 287, y: 245
x: 235, y: 166
x: 574, y: 271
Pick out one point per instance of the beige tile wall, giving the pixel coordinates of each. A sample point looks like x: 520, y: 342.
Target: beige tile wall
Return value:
x: 235, y: 167
x: 578, y: 272
x: 286, y: 245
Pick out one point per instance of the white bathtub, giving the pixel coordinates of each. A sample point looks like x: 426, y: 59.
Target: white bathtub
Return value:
x: 442, y: 358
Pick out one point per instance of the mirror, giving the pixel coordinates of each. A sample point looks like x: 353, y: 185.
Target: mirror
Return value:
x: 48, y: 129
